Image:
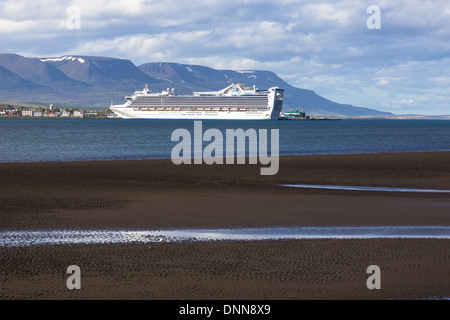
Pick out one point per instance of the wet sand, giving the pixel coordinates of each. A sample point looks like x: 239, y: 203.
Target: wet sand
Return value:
x: 155, y: 194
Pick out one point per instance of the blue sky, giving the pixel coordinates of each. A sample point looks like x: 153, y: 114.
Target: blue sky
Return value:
x: 325, y: 46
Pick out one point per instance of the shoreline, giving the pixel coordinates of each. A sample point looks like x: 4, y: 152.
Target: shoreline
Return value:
x: 280, y: 156
x: 144, y: 194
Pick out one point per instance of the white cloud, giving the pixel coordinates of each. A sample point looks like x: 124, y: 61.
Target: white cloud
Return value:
x: 341, y: 14
x: 11, y: 26
x: 383, y: 82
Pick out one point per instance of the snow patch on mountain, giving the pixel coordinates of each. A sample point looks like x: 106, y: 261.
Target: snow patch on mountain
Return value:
x: 80, y: 60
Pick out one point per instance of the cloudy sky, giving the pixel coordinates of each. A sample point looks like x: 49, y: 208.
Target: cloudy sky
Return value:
x: 332, y: 47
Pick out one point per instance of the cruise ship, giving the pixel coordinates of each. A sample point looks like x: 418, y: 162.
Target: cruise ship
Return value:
x: 235, y: 102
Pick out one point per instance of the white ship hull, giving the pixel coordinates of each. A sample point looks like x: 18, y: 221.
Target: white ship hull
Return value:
x: 129, y: 113
x: 232, y: 103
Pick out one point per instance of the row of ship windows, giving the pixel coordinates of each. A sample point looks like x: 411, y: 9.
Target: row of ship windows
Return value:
x: 201, y: 105
x: 201, y: 101
x: 205, y: 98
x: 166, y: 109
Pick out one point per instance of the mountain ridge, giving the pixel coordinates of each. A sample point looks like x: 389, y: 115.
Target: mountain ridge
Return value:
x: 201, y: 78
x: 95, y: 81
x: 97, y: 70
x: 34, y: 70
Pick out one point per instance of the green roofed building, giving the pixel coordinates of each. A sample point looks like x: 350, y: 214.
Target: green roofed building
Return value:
x: 295, y: 114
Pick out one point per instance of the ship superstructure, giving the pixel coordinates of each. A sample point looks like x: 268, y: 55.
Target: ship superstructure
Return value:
x: 235, y: 102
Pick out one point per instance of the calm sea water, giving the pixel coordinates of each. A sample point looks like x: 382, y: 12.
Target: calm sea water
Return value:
x: 29, y: 140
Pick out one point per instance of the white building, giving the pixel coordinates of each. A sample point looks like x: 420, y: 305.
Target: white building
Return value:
x: 27, y: 113
x: 78, y: 114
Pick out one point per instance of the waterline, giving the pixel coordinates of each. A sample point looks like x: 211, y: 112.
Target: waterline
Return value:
x: 358, y: 188
x: 72, y: 237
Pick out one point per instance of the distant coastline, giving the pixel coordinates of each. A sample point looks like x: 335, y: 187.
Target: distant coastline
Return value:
x: 51, y: 111
x: 41, y: 110
x: 406, y: 117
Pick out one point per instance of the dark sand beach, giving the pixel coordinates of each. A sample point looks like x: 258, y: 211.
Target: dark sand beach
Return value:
x: 156, y: 194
